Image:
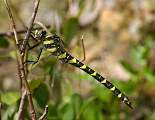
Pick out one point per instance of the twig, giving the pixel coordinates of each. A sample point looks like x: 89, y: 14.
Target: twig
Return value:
x: 21, y: 106
x: 17, y: 15
x: 15, y: 41
x: 0, y: 110
x: 44, y: 115
x: 23, y: 55
x: 83, y: 48
x: 21, y: 66
x: 10, y: 34
x: 12, y: 21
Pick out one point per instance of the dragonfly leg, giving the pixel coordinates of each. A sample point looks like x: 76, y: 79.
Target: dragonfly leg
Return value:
x: 38, y: 57
x: 31, y: 47
x: 83, y: 48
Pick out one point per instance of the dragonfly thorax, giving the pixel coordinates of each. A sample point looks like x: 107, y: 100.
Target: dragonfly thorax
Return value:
x: 53, y: 44
x: 55, y: 40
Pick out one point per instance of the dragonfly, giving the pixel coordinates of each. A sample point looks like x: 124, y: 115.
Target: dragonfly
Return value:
x: 54, y: 45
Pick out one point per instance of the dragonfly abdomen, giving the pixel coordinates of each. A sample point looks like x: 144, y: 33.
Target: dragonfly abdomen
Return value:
x: 64, y: 56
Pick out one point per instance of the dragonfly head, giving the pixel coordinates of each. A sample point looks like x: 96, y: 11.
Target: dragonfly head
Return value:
x: 40, y: 35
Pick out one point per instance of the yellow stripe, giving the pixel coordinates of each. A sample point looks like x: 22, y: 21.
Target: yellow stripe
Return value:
x: 93, y: 74
x: 113, y: 88
x: 52, y: 49
x: 48, y: 42
x: 83, y: 67
x: 125, y: 99
x: 67, y: 56
x: 72, y: 60
x: 104, y: 81
x: 120, y: 95
x: 62, y: 56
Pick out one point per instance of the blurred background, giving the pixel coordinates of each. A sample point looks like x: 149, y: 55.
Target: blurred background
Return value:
x: 119, y: 40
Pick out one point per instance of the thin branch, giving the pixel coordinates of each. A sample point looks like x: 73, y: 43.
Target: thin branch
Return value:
x: 12, y: 21
x: 0, y: 110
x: 83, y: 48
x: 21, y: 107
x: 44, y: 115
x: 24, y: 78
x: 22, y: 67
x: 10, y: 34
x: 23, y: 56
x: 17, y: 15
x: 16, y: 38
x: 15, y: 41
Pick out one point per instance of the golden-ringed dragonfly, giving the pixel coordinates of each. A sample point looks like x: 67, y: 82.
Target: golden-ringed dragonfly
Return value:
x: 54, y: 45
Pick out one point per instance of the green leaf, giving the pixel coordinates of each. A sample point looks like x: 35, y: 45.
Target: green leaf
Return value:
x: 68, y: 113
x: 92, y: 113
x: 49, y: 65
x: 70, y: 28
x: 127, y: 87
x: 13, y: 54
x: 10, y: 98
x: 9, y: 113
x: 34, y: 84
x: 41, y: 95
x: 71, y: 109
x: 149, y: 75
x: 52, y: 112
x: 85, y: 106
x: 138, y: 53
x: 3, y: 42
x: 128, y: 67
x: 76, y: 103
x: 78, y: 76
x: 103, y: 96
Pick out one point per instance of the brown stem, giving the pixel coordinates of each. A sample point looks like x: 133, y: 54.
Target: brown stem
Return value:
x: 21, y: 106
x: 10, y: 33
x: 21, y: 58
x: 83, y: 48
x: 0, y: 110
x: 15, y: 11
x: 24, y: 55
x: 16, y: 39
x: 44, y: 115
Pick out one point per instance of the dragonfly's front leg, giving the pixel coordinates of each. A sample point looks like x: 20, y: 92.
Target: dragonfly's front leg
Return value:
x: 38, y: 57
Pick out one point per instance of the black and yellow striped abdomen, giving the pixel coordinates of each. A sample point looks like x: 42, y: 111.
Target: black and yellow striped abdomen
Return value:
x: 66, y: 57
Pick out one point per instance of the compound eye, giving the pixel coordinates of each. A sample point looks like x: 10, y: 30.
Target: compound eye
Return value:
x: 42, y: 34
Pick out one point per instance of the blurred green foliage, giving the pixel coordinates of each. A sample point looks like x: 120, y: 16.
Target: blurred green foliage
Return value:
x: 3, y: 42
x: 10, y: 98
x: 69, y: 29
